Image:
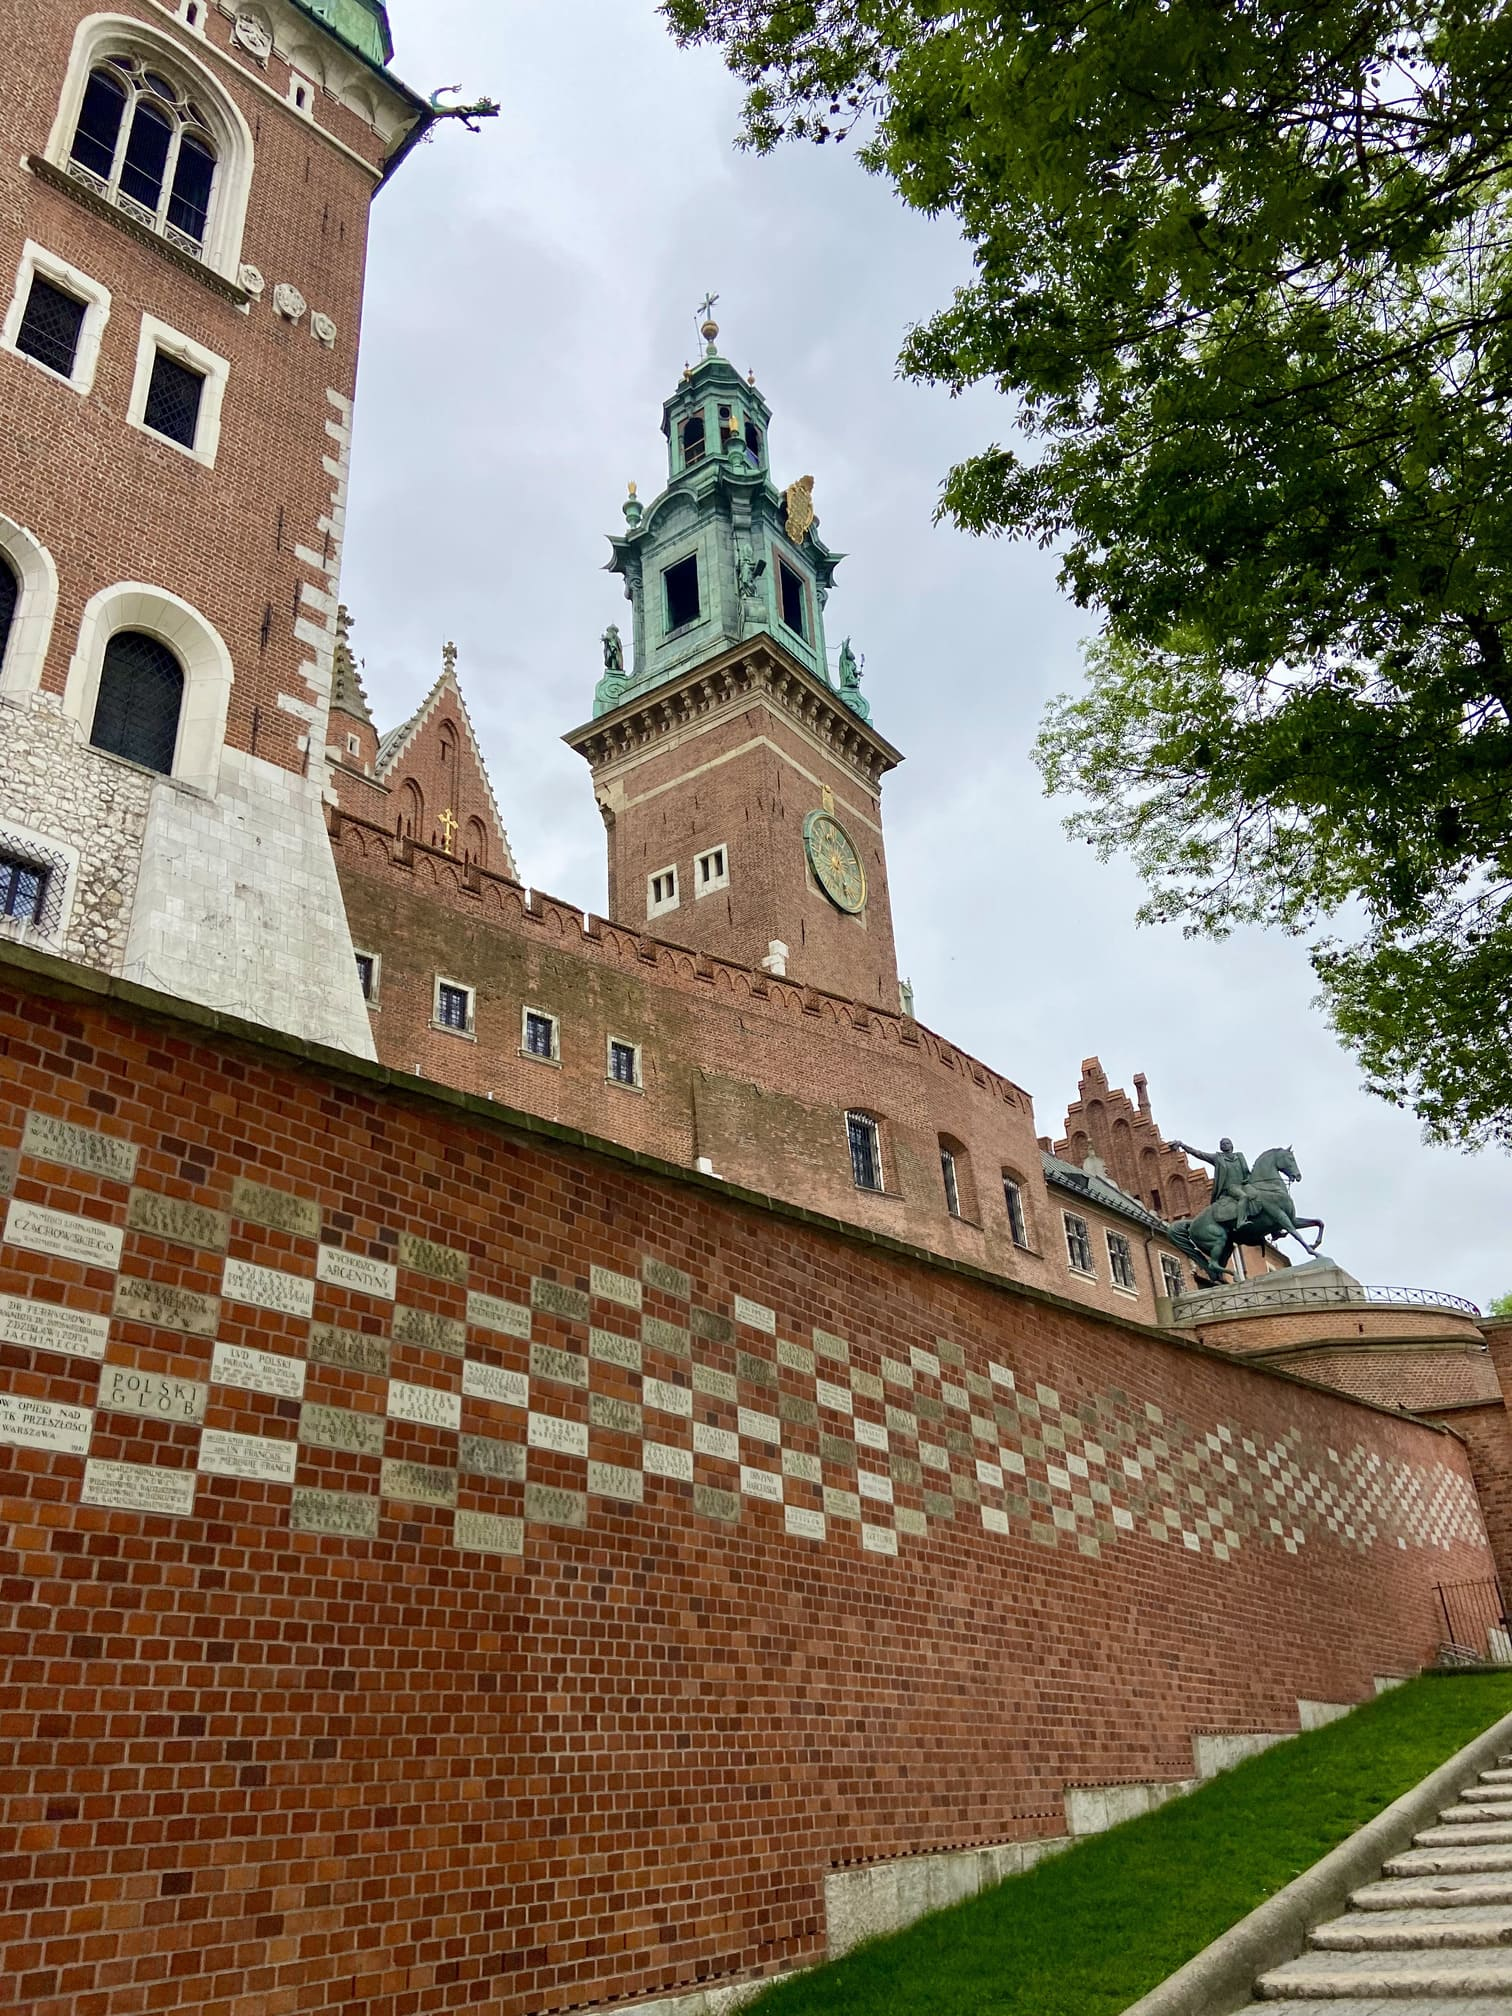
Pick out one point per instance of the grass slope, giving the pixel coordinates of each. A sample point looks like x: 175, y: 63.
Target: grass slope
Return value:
x: 1092, y: 1930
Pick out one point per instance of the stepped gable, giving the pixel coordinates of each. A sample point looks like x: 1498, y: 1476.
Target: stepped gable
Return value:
x: 1104, y: 1121
x: 425, y: 780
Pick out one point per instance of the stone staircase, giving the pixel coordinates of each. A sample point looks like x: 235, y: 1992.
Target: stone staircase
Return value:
x: 1432, y: 1938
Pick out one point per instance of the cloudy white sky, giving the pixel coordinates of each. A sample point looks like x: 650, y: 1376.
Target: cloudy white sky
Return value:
x: 530, y: 304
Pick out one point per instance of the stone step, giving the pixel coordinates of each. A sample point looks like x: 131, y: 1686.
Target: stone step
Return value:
x: 1486, y: 1795
x: 1499, y: 1777
x: 1433, y: 1893
x: 1415, y: 1930
x: 1465, y: 1834
x: 1392, y: 1977
x: 1474, y: 1816
x: 1368, y: 2005
x: 1450, y: 1861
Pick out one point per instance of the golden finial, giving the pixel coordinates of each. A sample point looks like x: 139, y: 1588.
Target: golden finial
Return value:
x: 632, y: 486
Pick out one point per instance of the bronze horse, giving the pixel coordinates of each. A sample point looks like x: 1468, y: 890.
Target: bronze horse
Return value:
x: 1266, y: 1213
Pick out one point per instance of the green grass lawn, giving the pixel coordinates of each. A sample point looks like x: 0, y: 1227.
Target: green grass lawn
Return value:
x: 1090, y: 1931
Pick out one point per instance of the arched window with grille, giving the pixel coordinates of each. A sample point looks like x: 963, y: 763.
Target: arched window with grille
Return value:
x: 145, y: 143
x: 140, y: 699
x: 10, y: 596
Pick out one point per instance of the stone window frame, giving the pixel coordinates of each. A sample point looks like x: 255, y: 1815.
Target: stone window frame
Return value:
x: 469, y: 1030
x: 635, y: 1084
x: 372, y: 997
x: 192, y: 13
x: 702, y: 887
x: 61, y: 857
x: 37, y: 604
x: 1017, y: 1224
x: 96, y: 299
x: 668, y: 904
x: 158, y: 336
x: 199, y: 648
x: 303, y: 92
x: 1120, y: 1255
x: 1172, y: 1275
x: 101, y: 36
x: 527, y: 1010
x: 1080, y: 1241
x: 859, y: 1116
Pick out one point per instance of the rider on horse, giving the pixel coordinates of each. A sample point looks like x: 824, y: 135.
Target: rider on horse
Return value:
x: 1231, y: 1173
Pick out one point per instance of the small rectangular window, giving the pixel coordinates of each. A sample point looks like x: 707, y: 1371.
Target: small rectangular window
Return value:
x: 1013, y: 1197
x: 173, y: 400
x: 681, y: 584
x: 790, y: 591
x: 51, y: 327
x: 624, y: 1062
x: 952, y: 1185
x: 354, y: 745
x: 23, y: 889
x: 661, y: 892
x: 367, y: 975
x: 1120, y: 1260
x: 865, y: 1150
x: 538, y: 1037
x: 1078, y: 1244
x: 1175, y: 1280
x: 453, y: 1005
x: 711, y: 871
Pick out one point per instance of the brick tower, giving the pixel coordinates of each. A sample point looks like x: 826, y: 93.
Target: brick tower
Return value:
x: 185, y: 220
x: 740, y: 785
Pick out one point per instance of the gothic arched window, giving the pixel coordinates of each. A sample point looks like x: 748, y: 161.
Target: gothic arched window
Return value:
x: 411, y: 818
x: 141, y: 696
x: 146, y: 145
x: 10, y: 595
x: 475, y: 847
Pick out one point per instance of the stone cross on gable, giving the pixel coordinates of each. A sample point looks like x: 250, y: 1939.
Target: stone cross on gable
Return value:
x: 448, y: 825
x: 449, y: 658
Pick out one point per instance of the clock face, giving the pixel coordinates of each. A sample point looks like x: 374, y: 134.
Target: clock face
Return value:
x: 835, y: 862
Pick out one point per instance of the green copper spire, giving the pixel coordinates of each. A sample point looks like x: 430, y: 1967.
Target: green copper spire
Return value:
x: 721, y: 554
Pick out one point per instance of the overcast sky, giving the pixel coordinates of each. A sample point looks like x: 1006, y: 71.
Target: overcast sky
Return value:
x: 530, y: 304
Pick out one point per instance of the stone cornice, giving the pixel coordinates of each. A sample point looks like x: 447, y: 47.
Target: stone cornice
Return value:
x: 755, y: 670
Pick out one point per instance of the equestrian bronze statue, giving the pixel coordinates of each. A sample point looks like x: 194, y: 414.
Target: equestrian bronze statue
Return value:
x: 1250, y: 1205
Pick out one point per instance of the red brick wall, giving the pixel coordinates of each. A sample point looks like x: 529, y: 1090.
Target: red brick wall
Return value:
x: 261, y: 1768
x: 223, y: 539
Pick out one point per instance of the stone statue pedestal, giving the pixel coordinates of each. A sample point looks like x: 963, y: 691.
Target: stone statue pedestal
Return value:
x: 1317, y: 1282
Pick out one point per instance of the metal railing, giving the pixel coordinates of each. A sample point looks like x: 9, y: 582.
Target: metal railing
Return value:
x: 1474, y: 1618
x: 1274, y: 1292
x: 1421, y: 1298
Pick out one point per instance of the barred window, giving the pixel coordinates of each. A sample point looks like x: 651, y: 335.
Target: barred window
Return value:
x: 51, y: 325
x: 173, y: 400
x: 623, y: 1062
x: 1078, y: 1244
x: 367, y: 975
x: 140, y: 699
x: 453, y: 1005
x: 1013, y: 1197
x: 952, y: 1183
x: 539, y: 1034
x: 23, y: 889
x: 146, y: 145
x: 1120, y: 1260
x: 10, y: 596
x: 865, y: 1150
x: 1175, y: 1280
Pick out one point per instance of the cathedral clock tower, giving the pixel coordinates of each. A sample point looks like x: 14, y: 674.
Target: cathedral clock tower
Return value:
x: 739, y: 783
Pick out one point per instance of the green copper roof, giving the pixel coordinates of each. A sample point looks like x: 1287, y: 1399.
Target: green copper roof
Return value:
x: 361, y: 24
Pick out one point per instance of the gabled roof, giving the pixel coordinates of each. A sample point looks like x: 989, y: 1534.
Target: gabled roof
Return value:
x: 393, y: 746
x: 1099, y: 1190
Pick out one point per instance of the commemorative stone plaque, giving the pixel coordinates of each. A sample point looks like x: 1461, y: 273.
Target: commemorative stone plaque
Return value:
x: 719, y: 1442
x: 168, y: 1308
x: 612, y: 1287
x: 86, y: 1240
x: 760, y: 1484
x: 613, y: 1480
x: 924, y: 1361
x: 422, y: 1483
x: 178, y: 1219
x: 254, y: 1457
x: 128, y: 1389
x: 660, y: 1459
x: 793, y: 1407
x: 491, y: 1312
x: 26, y: 1423
x: 354, y: 1513
x: 904, y: 1470
x: 493, y: 1382
x: 758, y: 1427
x: 666, y: 1398
x: 668, y: 1280
x: 430, y: 1331
x: 795, y: 1357
x: 604, y: 1411
x: 559, y: 1300
x: 355, y: 1270
x: 949, y: 1354
x: 755, y: 1371
x: 720, y: 1384
x: 716, y: 1504
x: 9, y: 1162
x: 139, y: 1487
x: 836, y: 1398
x: 53, y: 1140
x: 803, y: 1524
x: 878, y: 1489
x: 867, y: 1384
x: 869, y: 1433
x: 258, y: 1371
x: 546, y: 1505
x: 342, y: 1428
x: 755, y: 1315
x: 353, y: 1350
x: 426, y: 1256
x: 425, y: 1404
x: 483, y: 1456
x: 939, y: 1505
x: 901, y: 1422
x: 550, y: 1431
x: 896, y: 1373
x: 828, y: 1345
x: 280, y: 1210
x: 713, y: 1328
x: 908, y: 1519
x: 268, y: 1288
x: 609, y: 1346
x: 879, y: 1539
x: 566, y: 1367
x: 660, y: 1336
x: 837, y: 1449
x: 840, y: 1504
x: 487, y: 1533
x: 46, y: 1326
x: 798, y: 1463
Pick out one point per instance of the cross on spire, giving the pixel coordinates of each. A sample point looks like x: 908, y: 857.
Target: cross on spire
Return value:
x: 449, y: 658
x: 707, y: 306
